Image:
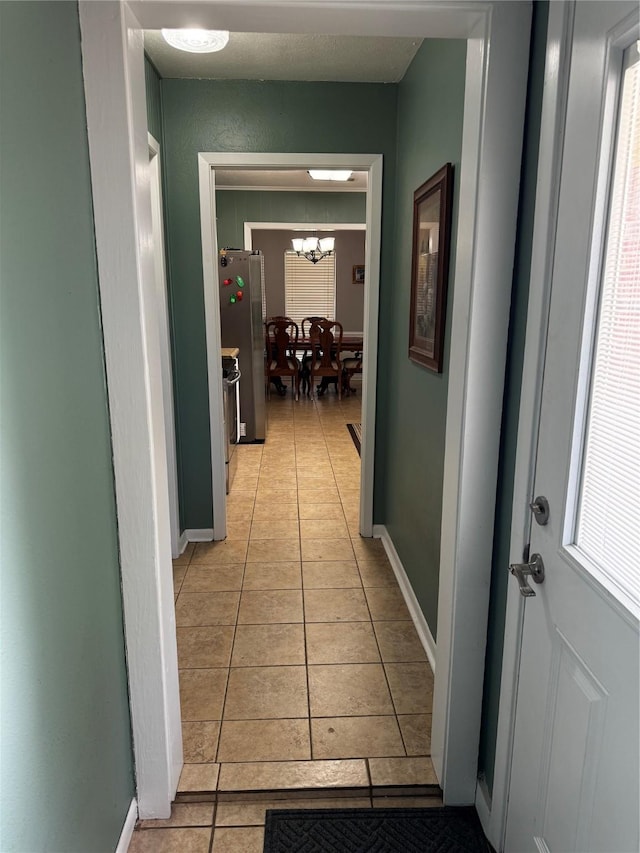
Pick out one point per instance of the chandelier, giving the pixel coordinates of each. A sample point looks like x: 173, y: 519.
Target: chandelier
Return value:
x: 312, y: 248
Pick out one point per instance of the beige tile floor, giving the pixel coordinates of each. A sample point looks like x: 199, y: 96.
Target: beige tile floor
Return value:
x: 238, y: 827
x: 300, y: 668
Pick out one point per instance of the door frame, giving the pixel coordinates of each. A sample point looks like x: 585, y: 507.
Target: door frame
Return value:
x: 497, y: 35
x: 165, y: 344
x: 372, y: 164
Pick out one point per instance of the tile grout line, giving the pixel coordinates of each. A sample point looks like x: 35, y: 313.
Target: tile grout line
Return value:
x: 304, y: 608
x: 233, y: 642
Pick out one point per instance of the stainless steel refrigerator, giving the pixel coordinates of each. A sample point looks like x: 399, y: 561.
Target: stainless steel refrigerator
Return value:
x: 241, y: 323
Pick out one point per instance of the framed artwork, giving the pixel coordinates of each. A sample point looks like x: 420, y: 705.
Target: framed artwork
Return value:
x: 358, y: 274
x: 432, y: 204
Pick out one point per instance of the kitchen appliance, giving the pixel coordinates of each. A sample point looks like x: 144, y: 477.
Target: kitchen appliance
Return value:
x: 230, y: 387
x: 241, y: 325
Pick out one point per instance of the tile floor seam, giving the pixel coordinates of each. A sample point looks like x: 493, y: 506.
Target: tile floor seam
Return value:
x: 304, y: 619
x: 384, y: 670
x: 233, y: 640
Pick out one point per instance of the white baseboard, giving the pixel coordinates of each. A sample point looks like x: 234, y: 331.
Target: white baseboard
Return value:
x: 204, y: 534
x: 483, y: 807
x: 183, y: 541
x: 380, y: 532
x: 127, y: 829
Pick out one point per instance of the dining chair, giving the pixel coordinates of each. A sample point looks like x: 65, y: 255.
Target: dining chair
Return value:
x: 326, y: 347
x: 307, y: 326
x: 350, y: 366
x: 281, y: 335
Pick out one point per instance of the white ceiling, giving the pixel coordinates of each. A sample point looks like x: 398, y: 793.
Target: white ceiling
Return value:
x: 282, y: 56
x: 285, y: 179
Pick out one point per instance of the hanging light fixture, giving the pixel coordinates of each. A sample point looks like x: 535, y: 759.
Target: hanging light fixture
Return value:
x: 312, y: 248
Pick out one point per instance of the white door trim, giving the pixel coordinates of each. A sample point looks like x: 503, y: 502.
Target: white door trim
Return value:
x: 372, y: 164
x: 556, y: 79
x: 249, y: 227
x: 495, y: 91
x: 495, y: 95
x: 113, y: 67
x: 165, y: 342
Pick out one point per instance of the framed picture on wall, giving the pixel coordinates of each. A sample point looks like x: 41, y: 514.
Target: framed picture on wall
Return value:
x: 430, y: 268
x: 358, y: 274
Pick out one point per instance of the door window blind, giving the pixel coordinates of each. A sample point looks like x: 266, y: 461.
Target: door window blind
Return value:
x: 310, y: 289
x: 608, y: 530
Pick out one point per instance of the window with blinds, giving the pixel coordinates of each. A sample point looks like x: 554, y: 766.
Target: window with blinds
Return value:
x: 309, y: 289
x: 608, y: 527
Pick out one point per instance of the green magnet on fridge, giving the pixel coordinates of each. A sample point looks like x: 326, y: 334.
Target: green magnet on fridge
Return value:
x: 240, y: 281
x: 233, y: 300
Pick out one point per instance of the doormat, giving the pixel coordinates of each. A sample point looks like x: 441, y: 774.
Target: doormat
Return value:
x: 436, y: 830
x: 355, y: 430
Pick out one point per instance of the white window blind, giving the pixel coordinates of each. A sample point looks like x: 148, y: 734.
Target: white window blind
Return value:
x: 309, y: 289
x: 608, y: 530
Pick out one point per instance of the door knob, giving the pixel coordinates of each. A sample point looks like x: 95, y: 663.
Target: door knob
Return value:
x: 534, y: 568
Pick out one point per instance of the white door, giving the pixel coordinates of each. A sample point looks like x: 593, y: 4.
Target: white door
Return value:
x: 575, y: 771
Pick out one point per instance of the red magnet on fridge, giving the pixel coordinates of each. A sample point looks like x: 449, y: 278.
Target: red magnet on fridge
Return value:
x: 239, y: 294
x: 227, y: 282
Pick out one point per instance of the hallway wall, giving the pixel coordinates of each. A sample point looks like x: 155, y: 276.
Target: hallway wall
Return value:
x: 208, y: 115
x: 412, y: 401
x: 235, y: 207
x: 67, y: 774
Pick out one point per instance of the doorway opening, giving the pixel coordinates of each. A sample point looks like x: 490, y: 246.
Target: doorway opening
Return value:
x: 497, y: 38
x: 372, y: 166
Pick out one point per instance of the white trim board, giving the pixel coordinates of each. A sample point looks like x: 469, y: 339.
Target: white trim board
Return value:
x: 483, y: 808
x: 372, y: 163
x: 275, y: 189
x: 204, y: 534
x: 497, y: 36
x: 250, y: 227
x: 127, y: 830
x: 166, y: 368
x: 183, y: 541
x: 421, y: 625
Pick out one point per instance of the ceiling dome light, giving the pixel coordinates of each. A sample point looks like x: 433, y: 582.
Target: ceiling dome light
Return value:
x: 330, y: 174
x: 197, y: 41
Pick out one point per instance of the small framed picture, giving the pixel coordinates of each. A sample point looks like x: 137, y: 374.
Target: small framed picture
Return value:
x: 358, y: 274
x: 432, y: 204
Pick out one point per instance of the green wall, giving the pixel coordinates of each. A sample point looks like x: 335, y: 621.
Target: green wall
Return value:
x: 67, y: 775
x: 206, y: 115
x: 412, y: 401
x: 235, y: 207
x: 511, y: 404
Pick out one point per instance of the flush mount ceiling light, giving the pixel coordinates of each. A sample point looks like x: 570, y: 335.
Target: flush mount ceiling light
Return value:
x: 312, y: 248
x: 330, y: 174
x: 197, y: 41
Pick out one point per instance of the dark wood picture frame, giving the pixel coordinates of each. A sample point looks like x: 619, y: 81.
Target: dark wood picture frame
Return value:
x: 432, y: 209
x: 358, y: 274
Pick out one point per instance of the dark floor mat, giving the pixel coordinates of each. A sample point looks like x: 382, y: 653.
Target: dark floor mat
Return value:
x: 355, y: 430
x: 431, y: 830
